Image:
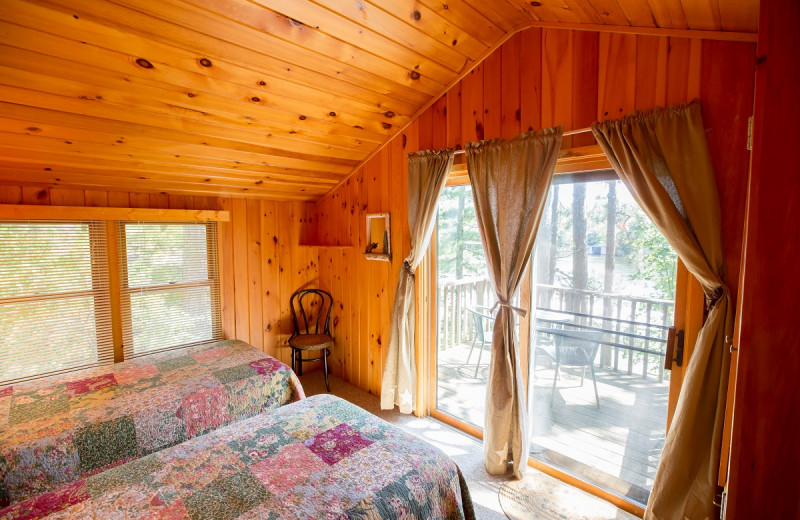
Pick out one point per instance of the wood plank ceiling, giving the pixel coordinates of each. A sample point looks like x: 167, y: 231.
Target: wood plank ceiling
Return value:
x: 276, y: 99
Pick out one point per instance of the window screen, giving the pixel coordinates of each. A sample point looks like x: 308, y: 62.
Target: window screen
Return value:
x: 170, y: 285
x: 54, y: 298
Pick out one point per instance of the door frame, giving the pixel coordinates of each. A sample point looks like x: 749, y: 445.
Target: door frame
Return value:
x: 688, y: 317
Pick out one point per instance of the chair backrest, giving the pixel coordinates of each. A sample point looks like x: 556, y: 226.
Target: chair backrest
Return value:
x: 575, y: 347
x: 477, y: 320
x: 323, y: 313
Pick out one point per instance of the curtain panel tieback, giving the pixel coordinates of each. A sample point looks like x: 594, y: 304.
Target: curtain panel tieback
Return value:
x: 427, y: 174
x: 510, y: 179
x: 714, y: 297
x: 663, y: 158
x: 519, y: 310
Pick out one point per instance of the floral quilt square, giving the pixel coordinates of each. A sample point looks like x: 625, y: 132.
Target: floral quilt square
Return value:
x: 90, y: 384
x: 135, y: 373
x: 158, y: 429
x: 227, y: 498
x: 6, y: 391
x: 191, y: 467
x: 40, y: 428
x: 138, y: 500
x: 5, y: 408
x: 42, y: 505
x: 204, y: 356
x: 260, y: 444
x: 165, y: 365
x: 292, y: 465
x: 102, y: 444
x: 96, y: 400
x: 248, y: 397
x: 304, y: 426
x: 27, y: 408
x: 371, y: 427
x: 32, y: 479
x: 267, y: 365
x: 204, y: 410
x: 236, y: 373
x: 354, y: 478
x: 337, y: 443
x: 122, y: 476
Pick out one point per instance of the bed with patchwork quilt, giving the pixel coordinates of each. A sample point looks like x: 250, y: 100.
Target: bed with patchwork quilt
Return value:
x: 318, y: 458
x: 62, y: 429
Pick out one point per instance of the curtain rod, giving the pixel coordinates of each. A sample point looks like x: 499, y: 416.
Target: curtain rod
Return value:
x: 568, y: 132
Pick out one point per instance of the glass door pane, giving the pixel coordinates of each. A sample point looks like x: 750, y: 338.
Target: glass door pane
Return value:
x: 464, y: 298
x: 604, y: 289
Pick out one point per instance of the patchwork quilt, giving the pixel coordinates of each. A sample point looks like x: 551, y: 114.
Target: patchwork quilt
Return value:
x: 318, y: 458
x: 62, y: 429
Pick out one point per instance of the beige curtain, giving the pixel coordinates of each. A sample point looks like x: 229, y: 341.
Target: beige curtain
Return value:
x: 427, y: 174
x: 663, y: 158
x: 510, y: 180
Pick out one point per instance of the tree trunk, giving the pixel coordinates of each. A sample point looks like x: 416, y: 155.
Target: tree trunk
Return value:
x: 580, y: 258
x: 460, y: 234
x: 608, y: 278
x: 542, y: 255
x: 553, y: 250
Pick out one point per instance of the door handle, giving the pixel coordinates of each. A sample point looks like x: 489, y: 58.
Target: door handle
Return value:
x: 674, y: 348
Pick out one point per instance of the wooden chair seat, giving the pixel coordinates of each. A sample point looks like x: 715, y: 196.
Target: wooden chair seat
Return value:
x: 311, y: 341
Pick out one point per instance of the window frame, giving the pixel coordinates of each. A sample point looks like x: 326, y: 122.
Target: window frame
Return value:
x: 125, y: 292
x: 587, y: 163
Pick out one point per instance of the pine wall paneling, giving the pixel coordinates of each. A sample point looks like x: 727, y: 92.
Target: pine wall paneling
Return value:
x: 765, y: 454
x: 265, y: 260
x: 539, y: 78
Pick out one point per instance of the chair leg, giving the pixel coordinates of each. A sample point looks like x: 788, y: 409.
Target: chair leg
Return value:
x: 594, y: 382
x: 294, y: 368
x: 472, y: 348
x: 478, y: 365
x: 299, y: 362
x: 325, y: 363
x: 555, y: 378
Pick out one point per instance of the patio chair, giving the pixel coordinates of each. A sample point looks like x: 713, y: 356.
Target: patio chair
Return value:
x: 480, y: 332
x: 574, y: 348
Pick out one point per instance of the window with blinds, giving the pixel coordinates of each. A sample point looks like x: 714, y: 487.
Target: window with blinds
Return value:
x: 55, y: 313
x: 169, y: 285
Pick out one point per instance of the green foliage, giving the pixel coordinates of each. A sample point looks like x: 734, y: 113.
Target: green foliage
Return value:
x: 653, y: 256
x: 642, y: 252
x: 472, y: 261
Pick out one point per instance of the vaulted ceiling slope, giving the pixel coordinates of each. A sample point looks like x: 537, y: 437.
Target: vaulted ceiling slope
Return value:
x: 277, y: 99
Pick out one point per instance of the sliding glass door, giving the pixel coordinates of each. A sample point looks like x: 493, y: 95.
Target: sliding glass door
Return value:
x: 464, y: 298
x: 602, y: 292
x: 604, y: 283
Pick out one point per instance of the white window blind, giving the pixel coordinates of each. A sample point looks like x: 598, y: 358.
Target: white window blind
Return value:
x: 55, y: 313
x: 169, y: 285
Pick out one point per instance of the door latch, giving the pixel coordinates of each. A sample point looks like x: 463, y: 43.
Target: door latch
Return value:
x: 674, y: 351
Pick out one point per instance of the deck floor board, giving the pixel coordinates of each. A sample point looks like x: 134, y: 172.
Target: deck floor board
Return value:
x: 617, y: 444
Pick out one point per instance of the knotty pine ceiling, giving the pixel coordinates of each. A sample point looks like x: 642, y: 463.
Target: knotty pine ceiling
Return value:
x: 277, y: 99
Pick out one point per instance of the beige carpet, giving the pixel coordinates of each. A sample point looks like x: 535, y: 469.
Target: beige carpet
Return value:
x: 467, y: 452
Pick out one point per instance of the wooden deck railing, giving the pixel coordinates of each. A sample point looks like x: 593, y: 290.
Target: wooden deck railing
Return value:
x: 635, y: 328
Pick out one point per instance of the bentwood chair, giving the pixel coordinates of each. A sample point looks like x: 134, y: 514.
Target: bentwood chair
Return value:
x: 310, y: 336
x: 574, y: 348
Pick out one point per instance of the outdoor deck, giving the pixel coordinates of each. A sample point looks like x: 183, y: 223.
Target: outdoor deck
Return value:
x: 616, y: 445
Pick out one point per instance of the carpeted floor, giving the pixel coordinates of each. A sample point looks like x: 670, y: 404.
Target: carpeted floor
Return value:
x: 465, y: 450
